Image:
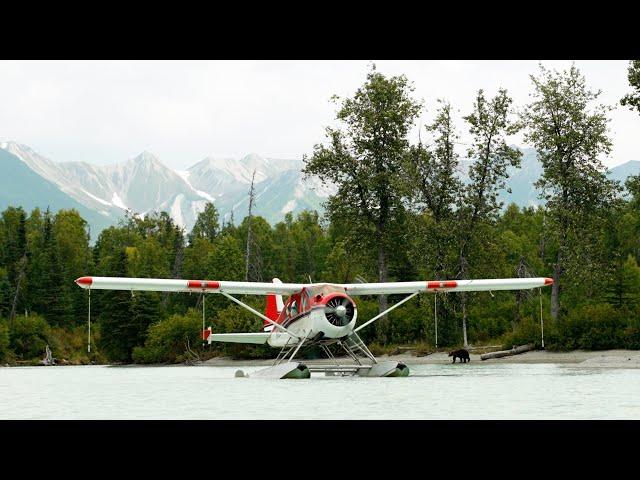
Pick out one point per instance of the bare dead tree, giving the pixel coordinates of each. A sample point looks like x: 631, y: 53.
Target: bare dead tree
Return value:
x: 247, y: 258
x: 22, y: 267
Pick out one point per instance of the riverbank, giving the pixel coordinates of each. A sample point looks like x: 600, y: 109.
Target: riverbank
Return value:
x: 581, y: 358
x: 577, y: 358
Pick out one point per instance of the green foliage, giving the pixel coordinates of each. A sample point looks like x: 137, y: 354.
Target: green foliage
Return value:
x: 225, y: 260
x: 624, y: 290
x: 116, y: 318
x: 207, y: 224
x: 4, y: 293
x: 6, y: 353
x: 594, y: 327
x: 170, y: 339
x: 632, y: 100
x: 529, y: 332
x: 29, y: 337
x: 569, y: 130
x: 364, y: 161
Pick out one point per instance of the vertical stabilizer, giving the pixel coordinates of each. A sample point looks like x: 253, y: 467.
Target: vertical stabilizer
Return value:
x: 275, y: 305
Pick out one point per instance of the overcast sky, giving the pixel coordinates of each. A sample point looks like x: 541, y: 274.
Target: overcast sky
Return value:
x: 182, y: 111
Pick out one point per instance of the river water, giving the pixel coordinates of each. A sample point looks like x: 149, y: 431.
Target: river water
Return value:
x: 460, y: 391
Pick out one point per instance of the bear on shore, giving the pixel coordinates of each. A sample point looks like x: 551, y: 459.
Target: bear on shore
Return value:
x: 462, y: 354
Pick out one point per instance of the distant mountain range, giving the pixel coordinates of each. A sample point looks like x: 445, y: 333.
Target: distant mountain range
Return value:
x: 144, y: 184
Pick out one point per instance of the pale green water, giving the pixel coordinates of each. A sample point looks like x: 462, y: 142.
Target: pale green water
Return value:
x: 472, y: 391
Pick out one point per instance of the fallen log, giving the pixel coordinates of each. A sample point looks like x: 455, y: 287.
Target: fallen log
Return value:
x: 505, y: 353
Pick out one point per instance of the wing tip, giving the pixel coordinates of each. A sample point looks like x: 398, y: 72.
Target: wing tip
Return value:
x: 84, y: 282
x: 548, y: 281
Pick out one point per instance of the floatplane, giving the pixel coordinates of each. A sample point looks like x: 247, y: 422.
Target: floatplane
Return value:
x: 320, y: 314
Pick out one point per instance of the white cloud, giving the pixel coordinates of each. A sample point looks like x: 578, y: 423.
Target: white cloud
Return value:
x: 108, y: 111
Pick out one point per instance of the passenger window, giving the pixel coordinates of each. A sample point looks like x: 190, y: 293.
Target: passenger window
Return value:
x: 294, y: 308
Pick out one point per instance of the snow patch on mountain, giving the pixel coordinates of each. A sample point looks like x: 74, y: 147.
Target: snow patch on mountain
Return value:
x: 184, y: 174
x: 176, y: 210
x: 97, y: 199
x: 117, y: 201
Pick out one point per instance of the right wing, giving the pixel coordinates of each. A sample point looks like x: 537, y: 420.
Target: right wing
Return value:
x: 479, y: 285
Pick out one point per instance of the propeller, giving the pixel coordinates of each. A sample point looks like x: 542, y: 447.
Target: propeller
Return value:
x: 339, y: 311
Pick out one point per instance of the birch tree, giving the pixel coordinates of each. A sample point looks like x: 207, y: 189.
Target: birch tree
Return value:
x: 568, y: 128
x: 490, y: 123
x: 363, y: 160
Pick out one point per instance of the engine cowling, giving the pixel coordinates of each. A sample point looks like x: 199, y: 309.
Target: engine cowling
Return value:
x: 339, y: 310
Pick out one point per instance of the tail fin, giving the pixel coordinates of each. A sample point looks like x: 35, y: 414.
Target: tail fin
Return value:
x: 275, y: 305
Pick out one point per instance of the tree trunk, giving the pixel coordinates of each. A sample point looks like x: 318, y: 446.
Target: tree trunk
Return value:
x: 521, y: 272
x: 382, y: 299
x: 22, y: 264
x: 505, y: 353
x: 463, y: 299
x: 555, y: 289
x: 464, y: 320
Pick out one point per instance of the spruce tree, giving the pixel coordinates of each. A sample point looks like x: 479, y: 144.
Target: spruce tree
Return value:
x: 116, y: 315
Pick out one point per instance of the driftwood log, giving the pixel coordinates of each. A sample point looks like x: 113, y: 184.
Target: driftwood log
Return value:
x: 505, y: 353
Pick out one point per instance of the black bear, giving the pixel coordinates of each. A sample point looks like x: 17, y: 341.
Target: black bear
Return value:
x: 462, y: 354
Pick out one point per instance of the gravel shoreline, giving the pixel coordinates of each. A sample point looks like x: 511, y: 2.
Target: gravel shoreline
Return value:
x: 576, y: 358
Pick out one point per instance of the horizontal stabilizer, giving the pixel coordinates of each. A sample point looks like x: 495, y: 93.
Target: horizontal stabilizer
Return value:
x: 257, y: 338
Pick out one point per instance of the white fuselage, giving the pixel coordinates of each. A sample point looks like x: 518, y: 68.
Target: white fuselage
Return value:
x: 309, y: 326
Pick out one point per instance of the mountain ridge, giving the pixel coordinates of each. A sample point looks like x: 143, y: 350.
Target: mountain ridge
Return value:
x: 144, y: 184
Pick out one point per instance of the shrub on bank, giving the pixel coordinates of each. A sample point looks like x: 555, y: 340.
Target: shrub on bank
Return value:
x: 5, y: 352
x: 528, y: 331
x: 590, y: 327
x: 69, y: 345
x: 170, y: 340
x: 29, y: 337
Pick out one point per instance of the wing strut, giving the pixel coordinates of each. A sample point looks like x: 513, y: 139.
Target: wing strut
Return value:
x: 255, y: 312
x: 386, y: 311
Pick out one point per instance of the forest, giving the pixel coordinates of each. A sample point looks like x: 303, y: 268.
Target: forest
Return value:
x: 401, y: 212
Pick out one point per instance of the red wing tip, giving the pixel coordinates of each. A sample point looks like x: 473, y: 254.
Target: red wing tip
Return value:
x: 548, y: 281
x: 84, y: 281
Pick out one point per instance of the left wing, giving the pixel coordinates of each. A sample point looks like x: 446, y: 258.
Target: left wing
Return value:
x: 175, y: 285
